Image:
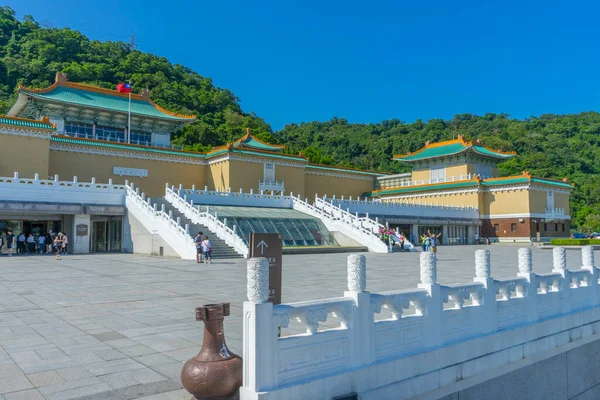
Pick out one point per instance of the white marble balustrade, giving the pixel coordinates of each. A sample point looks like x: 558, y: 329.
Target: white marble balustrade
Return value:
x: 418, y: 321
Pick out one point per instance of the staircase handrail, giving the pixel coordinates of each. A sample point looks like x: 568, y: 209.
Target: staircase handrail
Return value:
x: 150, y: 210
x: 363, y: 229
x: 222, y: 231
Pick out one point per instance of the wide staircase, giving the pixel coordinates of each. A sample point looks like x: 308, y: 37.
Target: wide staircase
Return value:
x: 220, y: 249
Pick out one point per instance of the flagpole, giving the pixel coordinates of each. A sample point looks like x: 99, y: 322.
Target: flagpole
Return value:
x: 129, y: 120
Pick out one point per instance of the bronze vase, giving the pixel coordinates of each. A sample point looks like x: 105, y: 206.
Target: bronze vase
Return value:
x: 215, y: 373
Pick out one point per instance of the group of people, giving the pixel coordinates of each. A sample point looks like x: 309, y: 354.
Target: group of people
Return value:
x: 203, y: 249
x: 29, y: 244
x: 429, y: 241
x: 392, y: 238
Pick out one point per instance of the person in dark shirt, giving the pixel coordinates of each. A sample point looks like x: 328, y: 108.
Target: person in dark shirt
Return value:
x: 10, y: 240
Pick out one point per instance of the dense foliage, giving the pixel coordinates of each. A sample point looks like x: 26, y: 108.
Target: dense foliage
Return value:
x: 31, y: 55
x: 553, y: 146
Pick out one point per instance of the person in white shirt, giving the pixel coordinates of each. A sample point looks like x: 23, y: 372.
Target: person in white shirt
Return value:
x: 65, y: 243
x: 206, y: 249
x: 30, y: 244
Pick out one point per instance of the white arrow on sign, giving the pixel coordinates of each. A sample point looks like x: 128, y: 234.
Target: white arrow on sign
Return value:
x: 262, y: 246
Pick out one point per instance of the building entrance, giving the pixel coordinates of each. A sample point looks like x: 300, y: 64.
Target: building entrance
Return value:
x: 106, y: 236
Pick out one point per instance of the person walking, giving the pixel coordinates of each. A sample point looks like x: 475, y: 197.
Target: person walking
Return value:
x: 1, y: 243
x: 10, y: 240
x: 199, y: 252
x: 42, y: 244
x: 65, y: 243
x: 49, y: 242
x: 427, y: 242
x: 58, y: 245
x: 206, y: 249
x: 30, y: 244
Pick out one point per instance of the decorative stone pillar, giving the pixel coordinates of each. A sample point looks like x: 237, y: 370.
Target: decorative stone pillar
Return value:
x: 559, y: 259
x: 587, y: 257
x: 482, y: 264
x: 525, y: 261
x: 215, y: 372
x: 486, y: 297
x: 428, y: 267
x: 258, y: 280
x: 357, y: 273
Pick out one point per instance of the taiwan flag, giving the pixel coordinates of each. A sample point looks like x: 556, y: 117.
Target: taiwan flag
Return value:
x: 124, y: 88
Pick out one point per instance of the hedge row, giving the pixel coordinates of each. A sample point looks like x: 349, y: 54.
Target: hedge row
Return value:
x: 574, y: 242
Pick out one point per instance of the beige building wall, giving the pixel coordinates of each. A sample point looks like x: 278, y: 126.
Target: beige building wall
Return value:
x: 294, y: 179
x: 217, y: 176
x: 25, y: 155
x: 452, y: 170
x: 87, y: 166
x: 245, y: 175
x: 509, y: 202
x: 561, y: 200
x: 538, y: 201
x: 439, y: 198
x: 421, y: 175
x: 335, y: 185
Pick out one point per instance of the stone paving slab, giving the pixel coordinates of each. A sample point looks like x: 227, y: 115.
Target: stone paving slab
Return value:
x: 120, y: 326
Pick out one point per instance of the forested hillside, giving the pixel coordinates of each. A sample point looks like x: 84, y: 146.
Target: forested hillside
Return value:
x: 552, y: 146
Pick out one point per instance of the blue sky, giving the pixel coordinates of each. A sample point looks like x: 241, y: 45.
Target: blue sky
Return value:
x: 366, y: 61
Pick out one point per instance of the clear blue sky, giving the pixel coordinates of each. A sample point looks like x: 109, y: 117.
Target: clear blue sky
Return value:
x: 366, y: 61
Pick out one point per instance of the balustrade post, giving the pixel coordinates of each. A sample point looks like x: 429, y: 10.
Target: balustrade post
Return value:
x: 187, y: 229
x: 559, y: 266
x: 206, y: 188
x: 56, y: 178
x: 434, y: 308
x: 588, y: 263
x: 178, y: 221
x: 110, y: 183
x: 530, y: 292
x: 162, y: 207
x: 251, y: 191
x: 208, y: 209
x: 363, y: 321
x: 259, y: 330
x: 170, y: 214
x: 487, y: 299
x: 16, y: 176
x: 192, y: 203
x: 36, y: 177
x: 155, y: 206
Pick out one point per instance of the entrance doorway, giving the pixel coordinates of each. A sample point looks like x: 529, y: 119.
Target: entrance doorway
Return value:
x: 106, y: 236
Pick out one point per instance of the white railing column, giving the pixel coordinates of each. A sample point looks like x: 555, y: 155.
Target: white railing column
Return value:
x: 433, y: 310
x: 588, y: 263
x: 526, y: 271
x: 559, y: 266
x: 362, y: 325
x: 488, y: 298
x: 259, y: 330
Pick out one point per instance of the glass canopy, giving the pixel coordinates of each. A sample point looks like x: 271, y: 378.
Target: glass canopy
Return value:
x: 296, y: 228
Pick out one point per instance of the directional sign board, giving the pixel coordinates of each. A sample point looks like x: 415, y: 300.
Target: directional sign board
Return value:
x: 269, y: 245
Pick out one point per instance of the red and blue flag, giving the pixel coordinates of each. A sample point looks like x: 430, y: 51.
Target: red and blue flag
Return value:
x: 124, y: 88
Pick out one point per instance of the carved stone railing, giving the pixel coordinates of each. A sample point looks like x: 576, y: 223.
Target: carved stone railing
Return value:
x: 155, y: 220
x: 390, y: 205
x: 362, y: 230
x: 222, y: 231
x: 16, y: 188
x: 452, y: 322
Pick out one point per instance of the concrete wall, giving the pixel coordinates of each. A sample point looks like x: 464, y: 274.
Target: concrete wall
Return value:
x: 137, y: 239
x: 509, y: 202
x: 572, y: 375
x: 26, y: 155
x: 217, y: 176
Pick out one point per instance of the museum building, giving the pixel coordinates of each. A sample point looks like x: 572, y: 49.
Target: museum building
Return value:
x: 70, y: 129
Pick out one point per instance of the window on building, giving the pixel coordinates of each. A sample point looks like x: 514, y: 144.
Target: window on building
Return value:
x: 496, y: 228
x: 550, y: 200
x: 110, y: 134
x: 545, y: 227
x: 563, y: 227
x: 513, y: 227
x: 483, y: 170
x: 438, y: 173
x: 144, y: 138
x: 79, y: 129
x: 269, y: 173
x: 537, y: 227
x: 555, y: 227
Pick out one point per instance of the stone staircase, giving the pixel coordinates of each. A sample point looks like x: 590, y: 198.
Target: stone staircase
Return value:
x: 220, y: 249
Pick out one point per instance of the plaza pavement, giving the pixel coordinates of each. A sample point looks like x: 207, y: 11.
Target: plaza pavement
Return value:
x: 120, y: 326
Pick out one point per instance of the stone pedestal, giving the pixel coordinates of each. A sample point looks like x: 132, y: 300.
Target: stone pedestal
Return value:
x: 79, y: 239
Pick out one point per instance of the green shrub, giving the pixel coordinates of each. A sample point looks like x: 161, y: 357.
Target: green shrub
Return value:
x: 574, y: 242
